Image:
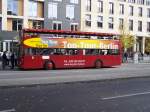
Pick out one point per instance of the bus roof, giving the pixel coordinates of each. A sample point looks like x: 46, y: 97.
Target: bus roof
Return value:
x: 47, y: 31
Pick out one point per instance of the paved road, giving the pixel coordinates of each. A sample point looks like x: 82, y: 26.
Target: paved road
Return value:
x: 129, y: 95
x: 15, y: 77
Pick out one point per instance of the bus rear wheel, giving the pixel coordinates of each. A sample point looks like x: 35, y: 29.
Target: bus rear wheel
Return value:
x: 48, y: 65
x: 98, y: 64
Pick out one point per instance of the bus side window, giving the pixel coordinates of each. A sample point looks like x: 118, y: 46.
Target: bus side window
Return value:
x: 115, y: 51
x: 104, y: 52
x: 109, y: 51
x: 87, y: 51
x: 76, y: 52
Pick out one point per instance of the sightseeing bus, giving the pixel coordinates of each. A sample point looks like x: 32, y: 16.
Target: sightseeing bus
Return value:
x: 54, y: 49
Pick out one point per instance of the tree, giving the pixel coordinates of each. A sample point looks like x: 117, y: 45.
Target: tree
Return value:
x: 126, y: 38
x: 147, y: 45
x: 127, y: 41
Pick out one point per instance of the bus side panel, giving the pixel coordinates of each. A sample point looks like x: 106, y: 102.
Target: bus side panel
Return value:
x: 68, y: 61
x: 110, y: 60
x: 58, y: 60
x: 75, y: 61
x: 107, y: 60
x: 32, y: 62
x: 89, y: 60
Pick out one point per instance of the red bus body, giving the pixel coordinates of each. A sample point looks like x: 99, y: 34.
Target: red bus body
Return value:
x: 55, y: 61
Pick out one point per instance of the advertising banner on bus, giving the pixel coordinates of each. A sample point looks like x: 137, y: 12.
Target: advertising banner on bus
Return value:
x: 74, y: 43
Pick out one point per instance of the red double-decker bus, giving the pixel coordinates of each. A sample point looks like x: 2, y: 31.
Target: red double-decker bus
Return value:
x: 51, y: 49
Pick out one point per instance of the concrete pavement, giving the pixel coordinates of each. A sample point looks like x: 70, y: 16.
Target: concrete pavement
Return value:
x: 16, y: 77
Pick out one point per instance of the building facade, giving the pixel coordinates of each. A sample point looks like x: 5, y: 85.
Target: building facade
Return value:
x: 49, y: 14
x: 106, y: 16
x: 110, y: 15
x: 62, y: 14
x: 16, y: 15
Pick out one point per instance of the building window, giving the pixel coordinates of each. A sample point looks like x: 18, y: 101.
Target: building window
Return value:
x: 74, y: 26
x: 131, y: 25
x: 131, y: 10
x: 57, y: 25
x: 100, y: 21
x: 121, y: 23
x: 38, y: 24
x: 70, y: 11
x: 148, y: 26
x: 100, y: 6
x: 111, y: 23
x: 0, y: 23
x: 147, y: 2
x: 17, y: 25
x: 111, y: 8
x: 58, y: 0
x: 88, y: 20
x: 131, y: 1
x: 122, y: 0
x: 52, y: 10
x: 140, y: 11
x: 32, y: 10
x: 0, y: 6
x: 88, y: 5
x: 12, y: 7
x: 1, y: 46
x: 121, y: 11
x: 140, y: 2
x: 148, y: 12
x: 74, y: 1
x: 140, y: 26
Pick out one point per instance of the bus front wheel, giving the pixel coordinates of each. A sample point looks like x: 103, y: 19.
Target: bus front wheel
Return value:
x: 48, y: 65
x: 98, y: 64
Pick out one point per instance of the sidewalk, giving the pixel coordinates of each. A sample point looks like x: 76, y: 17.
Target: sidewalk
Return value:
x: 34, y: 77
x: 144, y: 59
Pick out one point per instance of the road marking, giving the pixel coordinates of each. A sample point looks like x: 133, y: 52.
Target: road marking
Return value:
x: 127, y: 95
x: 9, y: 110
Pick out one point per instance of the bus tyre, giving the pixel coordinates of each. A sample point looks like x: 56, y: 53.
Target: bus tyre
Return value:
x: 48, y: 65
x: 98, y: 64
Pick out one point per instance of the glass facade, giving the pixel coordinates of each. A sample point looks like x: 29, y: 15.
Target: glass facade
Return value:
x: 12, y: 7
x: 57, y: 26
x: 74, y: 1
x: 100, y: 6
x: 121, y: 9
x: 52, y: 10
x: 0, y: 23
x: 111, y: 8
x: 131, y: 25
x: 17, y: 24
x: 32, y: 9
x: 121, y: 23
x: 38, y: 24
x: 88, y: 20
x: 70, y: 11
x: 111, y: 23
x: 88, y: 5
x: 100, y: 21
x: 74, y: 27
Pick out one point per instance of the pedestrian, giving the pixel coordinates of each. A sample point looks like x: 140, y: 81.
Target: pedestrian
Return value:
x: 16, y: 59
x: 12, y: 60
x: 4, y: 60
x: 8, y: 54
x: 126, y: 56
